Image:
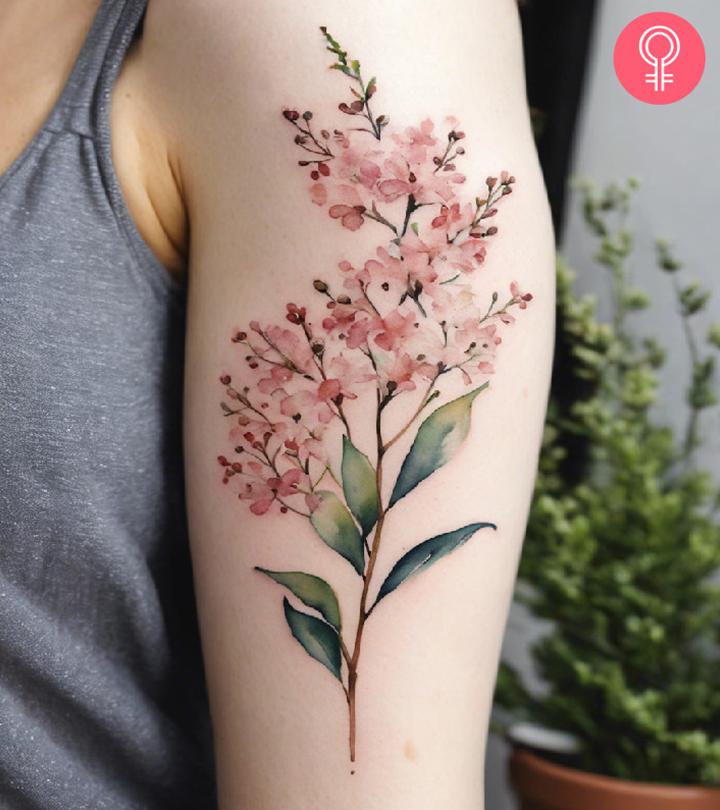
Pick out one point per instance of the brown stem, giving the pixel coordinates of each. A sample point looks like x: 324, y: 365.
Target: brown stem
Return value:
x: 367, y: 578
x: 409, y: 209
x: 378, y: 217
x: 494, y: 196
x: 423, y: 402
x: 350, y: 695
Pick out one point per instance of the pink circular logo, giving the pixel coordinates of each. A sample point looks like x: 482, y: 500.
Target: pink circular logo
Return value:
x: 659, y: 58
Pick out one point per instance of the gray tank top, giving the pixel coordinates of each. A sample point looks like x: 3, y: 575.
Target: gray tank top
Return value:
x: 102, y: 697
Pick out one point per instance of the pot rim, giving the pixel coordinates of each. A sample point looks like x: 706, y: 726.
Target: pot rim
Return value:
x: 541, y: 780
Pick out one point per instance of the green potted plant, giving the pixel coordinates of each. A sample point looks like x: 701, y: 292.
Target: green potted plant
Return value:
x: 621, y: 557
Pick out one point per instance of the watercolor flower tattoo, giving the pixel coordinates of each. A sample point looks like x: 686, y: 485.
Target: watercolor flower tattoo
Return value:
x: 384, y: 330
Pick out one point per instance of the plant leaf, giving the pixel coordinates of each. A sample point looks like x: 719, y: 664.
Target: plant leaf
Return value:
x: 425, y: 554
x: 311, y: 590
x: 437, y: 440
x: 332, y: 521
x: 318, y: 639
x: 360, y: 486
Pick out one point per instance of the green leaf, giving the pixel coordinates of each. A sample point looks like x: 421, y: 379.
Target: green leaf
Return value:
x: 425, y: 554
x: 360, y: 486
x: 318, y: 639
x: 436, y: 442
x: 332, y: 521
x: 313, y: 591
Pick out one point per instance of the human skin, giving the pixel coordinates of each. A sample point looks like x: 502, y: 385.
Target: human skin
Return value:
x: 210, y: 173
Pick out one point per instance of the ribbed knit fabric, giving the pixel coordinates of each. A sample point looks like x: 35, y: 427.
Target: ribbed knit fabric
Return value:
x: 102, y: 697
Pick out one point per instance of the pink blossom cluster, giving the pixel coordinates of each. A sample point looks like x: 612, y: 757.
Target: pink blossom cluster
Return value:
x: 394, y: 323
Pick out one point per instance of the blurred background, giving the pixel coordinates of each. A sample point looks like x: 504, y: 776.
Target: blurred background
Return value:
x: 588, y: 126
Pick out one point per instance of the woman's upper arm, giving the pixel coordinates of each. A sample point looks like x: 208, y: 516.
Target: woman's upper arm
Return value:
x: 368, y: 355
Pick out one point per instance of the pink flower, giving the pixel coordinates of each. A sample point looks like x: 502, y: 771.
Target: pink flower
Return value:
x: 351, y: 373
x: 386, y: 268
x: 316, y: 401
x: 263, y: 492
x: 279, y: 375
x: 400, y: 371
x: 287, y: 484
x: 349, y: 208
x: 448, y: 216
x: 341, y: 317
x: 262, y: 500
x: 395, y: 327
x: 318, y: 193
x: 414, y: 141
x: 351, y: 217
x: 359, y: 165
x: 433, y: 187
x: 394, y: 188
x: 518, y: 295
x: 290, y: 346
x: 484, y: 337
x: 308, y: 405
x: 358, y: 332
x: 447, y: 258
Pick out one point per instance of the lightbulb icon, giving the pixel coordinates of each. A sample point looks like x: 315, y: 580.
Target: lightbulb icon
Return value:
x: 659, y: 77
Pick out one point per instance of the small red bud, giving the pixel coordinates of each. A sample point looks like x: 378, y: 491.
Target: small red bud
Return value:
x: 225, y: 379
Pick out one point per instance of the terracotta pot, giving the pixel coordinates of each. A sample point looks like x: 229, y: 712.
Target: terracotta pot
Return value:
x: 542, y: 785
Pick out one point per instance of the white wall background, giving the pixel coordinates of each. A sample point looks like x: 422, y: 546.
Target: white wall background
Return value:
x: 674, y: 151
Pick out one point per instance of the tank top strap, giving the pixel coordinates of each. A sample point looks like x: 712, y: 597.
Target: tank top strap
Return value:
x: 96, y: 67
